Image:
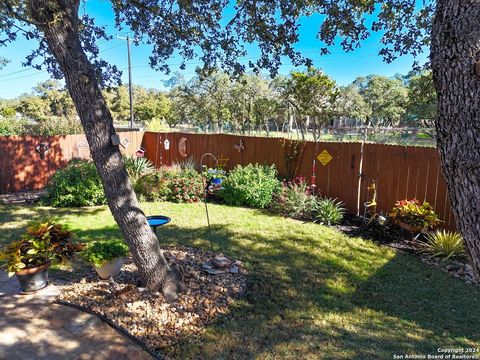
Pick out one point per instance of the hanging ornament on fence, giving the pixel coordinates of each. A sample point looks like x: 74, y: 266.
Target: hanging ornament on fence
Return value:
x: 140, y: 153
x: 182, y: 147
x: 324, y: 157
x: 166, y: 144
x: 239, y: 147
x: 43, y: 149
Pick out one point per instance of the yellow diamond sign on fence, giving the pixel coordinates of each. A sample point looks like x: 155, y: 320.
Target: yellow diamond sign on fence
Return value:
x: 324, y: 157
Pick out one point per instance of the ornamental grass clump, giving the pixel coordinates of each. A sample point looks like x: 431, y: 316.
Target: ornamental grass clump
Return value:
x: 137, y: 167
x: 329, y: 211
x: 445, y: 245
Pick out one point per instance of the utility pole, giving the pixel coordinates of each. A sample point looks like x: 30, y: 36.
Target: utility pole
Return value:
x: 130, y: 89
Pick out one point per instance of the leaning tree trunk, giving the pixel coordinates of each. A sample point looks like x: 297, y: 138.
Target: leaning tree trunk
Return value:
x: 455, y: 57
x: 58, y: 21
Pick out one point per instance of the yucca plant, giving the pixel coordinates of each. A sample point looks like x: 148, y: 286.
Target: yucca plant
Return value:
x: 189, y: 164
x: 329, y: 211
x: 137, y: 167
x: 444, y: 244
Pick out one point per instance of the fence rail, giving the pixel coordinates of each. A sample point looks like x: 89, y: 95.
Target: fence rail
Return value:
x: 399, y: 171
x: 21, y: 165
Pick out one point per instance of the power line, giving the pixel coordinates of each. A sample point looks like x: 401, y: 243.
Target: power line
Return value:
x: 16, y: 72
x: 44, y: 71
x: 25, y: 76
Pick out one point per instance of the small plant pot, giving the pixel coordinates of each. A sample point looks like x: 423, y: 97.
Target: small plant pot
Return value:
x: 33, y: 279
x: 411, y: 228
x: 110, y: 269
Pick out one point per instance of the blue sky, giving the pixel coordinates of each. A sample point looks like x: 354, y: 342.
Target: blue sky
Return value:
x: 341, y: 66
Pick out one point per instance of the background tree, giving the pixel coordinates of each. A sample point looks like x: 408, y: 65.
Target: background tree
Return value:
x: 385, y: 97
x: 422, y: 99
x: 3, y: 62
x: 313, y: 95
x: 350, y: 104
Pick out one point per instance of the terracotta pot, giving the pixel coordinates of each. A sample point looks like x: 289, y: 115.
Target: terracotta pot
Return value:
x: 33, y: 279
x: 110, y: 269
x: 411, y: 228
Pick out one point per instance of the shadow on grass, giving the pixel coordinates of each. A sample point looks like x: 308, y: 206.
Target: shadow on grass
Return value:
x: 307, y: 298
x: 16, y: 218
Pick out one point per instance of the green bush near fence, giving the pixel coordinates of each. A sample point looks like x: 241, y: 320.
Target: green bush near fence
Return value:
x: 171, y: 184
x: 253, y: 185
x: 77, y: 184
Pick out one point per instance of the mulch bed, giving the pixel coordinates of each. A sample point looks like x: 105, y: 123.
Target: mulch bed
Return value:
x: 393, y: 236
x: 146, y: 315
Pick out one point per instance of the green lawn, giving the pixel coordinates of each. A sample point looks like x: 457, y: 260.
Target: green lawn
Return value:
x: 312, y: 293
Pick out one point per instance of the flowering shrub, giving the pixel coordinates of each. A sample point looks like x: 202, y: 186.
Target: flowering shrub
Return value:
x: 170, y: 184
x: 295, y: 200
x: 186, y: 186
x: 413, y: 213
x: 154, y: 186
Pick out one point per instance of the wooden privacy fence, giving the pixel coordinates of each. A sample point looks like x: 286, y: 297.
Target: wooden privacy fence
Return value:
x: 400, y: 172
x: 21, y: 165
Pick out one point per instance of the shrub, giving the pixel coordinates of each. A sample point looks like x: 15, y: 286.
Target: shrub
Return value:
x: 154, y: 186
x: 329, y: 211
x: 137, y: 167
x: 77, y: 184
x: 186, y: 186
x: 413, y: 213
x: 12, y: 126
x: 172, y: 184
x: 252, y: 185
x: 100, y: 252
x: 445, y: 244
x: 295, y: 200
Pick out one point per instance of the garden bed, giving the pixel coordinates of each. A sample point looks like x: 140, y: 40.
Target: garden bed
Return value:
x: 391, y: 235
x: 146, y: 315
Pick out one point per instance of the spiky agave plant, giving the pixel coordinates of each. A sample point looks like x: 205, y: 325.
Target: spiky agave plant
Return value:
x: 445, y: 245
x: 137, y: 167
x: 329, y: 211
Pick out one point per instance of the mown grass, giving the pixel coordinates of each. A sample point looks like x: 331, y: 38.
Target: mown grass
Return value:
x: 312, y: 293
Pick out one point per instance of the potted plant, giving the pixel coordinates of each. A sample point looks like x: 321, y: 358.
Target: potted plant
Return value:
x: 414, y: 216
x: 30, y: 258
x: 106, y: 257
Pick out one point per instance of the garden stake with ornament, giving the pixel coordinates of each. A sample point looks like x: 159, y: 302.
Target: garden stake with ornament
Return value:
x: 220, y: 263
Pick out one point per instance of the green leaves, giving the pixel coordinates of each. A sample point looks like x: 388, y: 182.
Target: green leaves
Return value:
x: 252, y: 185
x: 445, y: 244
x: 43, y: 242
x: 100, y: 252
x: 329, y: 211
x: 77, y: 184
x: 137, y: 167
x: 415, y: 214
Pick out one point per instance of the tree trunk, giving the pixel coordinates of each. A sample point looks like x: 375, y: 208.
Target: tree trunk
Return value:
x: 455, y: 50
x: 59, y: 24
